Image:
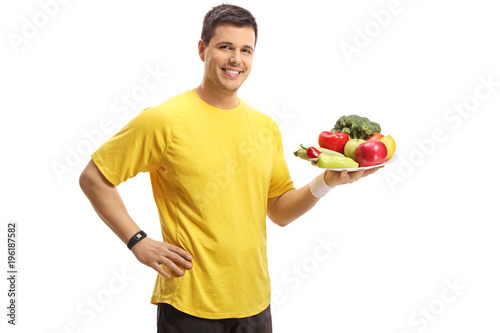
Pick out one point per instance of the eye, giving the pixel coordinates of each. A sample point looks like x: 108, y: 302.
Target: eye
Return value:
x: 224, y: 47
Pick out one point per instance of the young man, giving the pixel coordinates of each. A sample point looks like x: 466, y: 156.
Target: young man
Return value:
x: 217, y: 168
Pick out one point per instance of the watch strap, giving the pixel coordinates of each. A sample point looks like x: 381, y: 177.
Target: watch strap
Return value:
x: 136, y: 239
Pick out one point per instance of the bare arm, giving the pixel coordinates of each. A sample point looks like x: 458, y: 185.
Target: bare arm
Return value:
x: 108, y: 204
x: 290, y: 205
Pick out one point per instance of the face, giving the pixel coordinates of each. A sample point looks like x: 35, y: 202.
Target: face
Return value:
x: 228, y: 57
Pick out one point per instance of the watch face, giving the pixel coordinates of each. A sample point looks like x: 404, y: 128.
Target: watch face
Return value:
x: 138, y: 236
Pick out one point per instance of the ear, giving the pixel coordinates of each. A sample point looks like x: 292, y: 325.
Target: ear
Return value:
x: 201, y: 50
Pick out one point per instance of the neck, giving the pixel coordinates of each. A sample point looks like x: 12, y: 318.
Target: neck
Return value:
x: 219, y: 99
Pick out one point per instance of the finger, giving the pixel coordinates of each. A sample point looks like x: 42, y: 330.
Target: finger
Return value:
x: 182, y: 259
x: 178, y: 259
x: 352, y: 176
x: 344, y: 176
x: 180, y: 251
x: 358, y: 174
x: 172, y: 266
x: 372, y: 171
x: 161, y: 271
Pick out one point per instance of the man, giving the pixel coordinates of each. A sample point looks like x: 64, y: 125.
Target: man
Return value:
x: 217, y: 168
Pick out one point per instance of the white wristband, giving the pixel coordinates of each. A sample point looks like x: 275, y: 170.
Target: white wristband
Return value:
x: 319, y: 188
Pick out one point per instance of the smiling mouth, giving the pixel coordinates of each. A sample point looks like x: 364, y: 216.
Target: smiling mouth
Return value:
x: 232, y: 72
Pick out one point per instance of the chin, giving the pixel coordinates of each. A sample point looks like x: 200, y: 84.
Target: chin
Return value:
x: 231, y: 88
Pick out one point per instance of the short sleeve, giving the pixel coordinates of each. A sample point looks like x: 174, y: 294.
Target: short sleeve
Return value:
x: 280, y: 176
x: 137, y: 147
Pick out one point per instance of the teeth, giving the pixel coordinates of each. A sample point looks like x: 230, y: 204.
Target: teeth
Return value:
x: 232, y: 72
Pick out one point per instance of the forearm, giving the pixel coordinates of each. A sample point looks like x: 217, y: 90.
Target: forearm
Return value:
x: 107, y: 202
x: 292, y: 204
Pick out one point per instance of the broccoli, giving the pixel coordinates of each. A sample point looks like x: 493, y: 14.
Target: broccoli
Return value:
x: 356, y: 127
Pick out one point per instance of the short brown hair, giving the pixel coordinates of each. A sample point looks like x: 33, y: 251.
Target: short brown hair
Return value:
x: 226, y: 13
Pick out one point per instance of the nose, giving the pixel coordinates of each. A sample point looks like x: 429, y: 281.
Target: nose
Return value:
x: 235, y: 58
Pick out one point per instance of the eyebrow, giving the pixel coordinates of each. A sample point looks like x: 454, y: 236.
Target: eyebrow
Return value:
x: 231, y: 44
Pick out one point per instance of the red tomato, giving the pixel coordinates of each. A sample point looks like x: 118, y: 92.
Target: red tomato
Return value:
x: 375, y: 137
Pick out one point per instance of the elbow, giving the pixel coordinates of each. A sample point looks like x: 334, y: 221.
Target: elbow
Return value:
x: 280, y: 221
x: 84, y: 180
x: 282, y: 217
x: 277, y: 214
x: 284, y: 222
x: 92, y: 177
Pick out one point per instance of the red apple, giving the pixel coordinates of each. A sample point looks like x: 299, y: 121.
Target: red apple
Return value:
x: 371, y: 153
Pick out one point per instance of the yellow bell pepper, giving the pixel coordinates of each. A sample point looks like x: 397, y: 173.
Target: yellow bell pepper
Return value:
x: 390, y: 144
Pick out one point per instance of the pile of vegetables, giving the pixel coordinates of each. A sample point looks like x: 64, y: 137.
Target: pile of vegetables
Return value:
x: 354, y: 141
x: 356, y: 127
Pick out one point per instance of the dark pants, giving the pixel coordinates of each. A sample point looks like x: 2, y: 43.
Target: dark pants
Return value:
x: 171, y: 320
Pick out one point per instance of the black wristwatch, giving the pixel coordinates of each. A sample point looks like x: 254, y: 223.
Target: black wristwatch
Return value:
x: 136, y: 239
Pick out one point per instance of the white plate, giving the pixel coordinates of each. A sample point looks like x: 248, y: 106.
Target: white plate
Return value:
x: 393, y: 158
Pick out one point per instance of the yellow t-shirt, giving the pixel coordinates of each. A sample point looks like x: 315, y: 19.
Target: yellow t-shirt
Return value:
x: 212, y: 171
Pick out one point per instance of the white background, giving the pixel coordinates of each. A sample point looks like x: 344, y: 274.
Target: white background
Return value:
x: 429, y: 218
